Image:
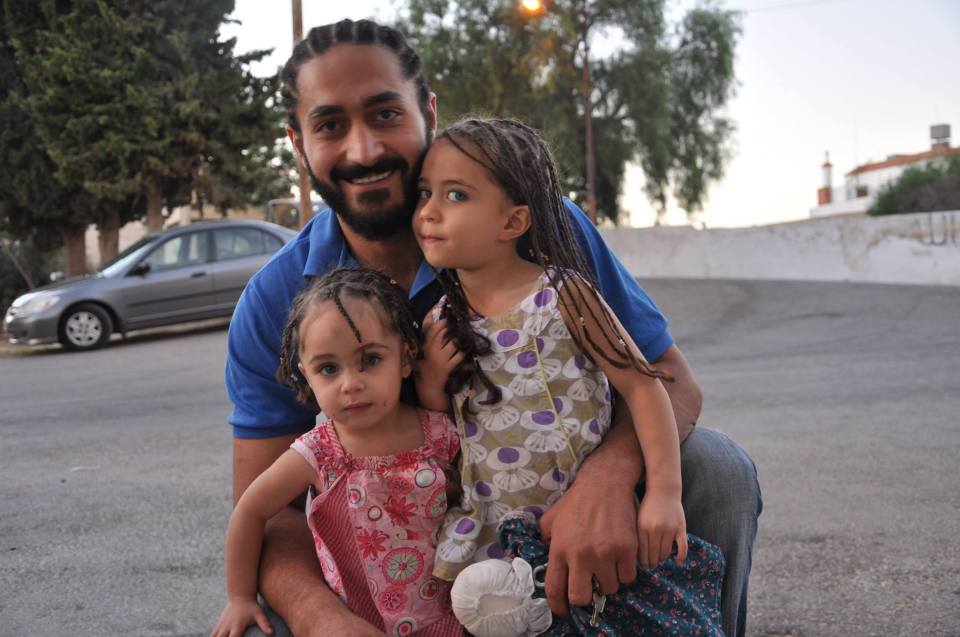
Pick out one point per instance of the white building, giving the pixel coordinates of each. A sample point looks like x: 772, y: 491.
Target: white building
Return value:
x: 863, y: 183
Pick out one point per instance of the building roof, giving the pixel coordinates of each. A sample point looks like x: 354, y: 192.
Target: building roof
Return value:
x: 899, y: 160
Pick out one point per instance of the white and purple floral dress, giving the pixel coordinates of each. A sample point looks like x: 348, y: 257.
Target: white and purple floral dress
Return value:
x: 523, y: 452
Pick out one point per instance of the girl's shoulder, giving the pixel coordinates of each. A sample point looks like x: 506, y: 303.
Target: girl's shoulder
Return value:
x: 439, y: 434
x: 320, y: 447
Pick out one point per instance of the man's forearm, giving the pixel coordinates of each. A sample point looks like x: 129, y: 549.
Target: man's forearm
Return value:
x: 619, y: 457
x: 292, y: 583
x: 618, y: 460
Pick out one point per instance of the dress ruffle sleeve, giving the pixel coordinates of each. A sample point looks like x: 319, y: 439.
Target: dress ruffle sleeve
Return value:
x: 321, y: 448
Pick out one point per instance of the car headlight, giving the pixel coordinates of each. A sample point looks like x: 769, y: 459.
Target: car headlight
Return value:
x: 38, y: 304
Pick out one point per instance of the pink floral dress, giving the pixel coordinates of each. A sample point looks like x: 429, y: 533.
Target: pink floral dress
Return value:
x: 386, y: 535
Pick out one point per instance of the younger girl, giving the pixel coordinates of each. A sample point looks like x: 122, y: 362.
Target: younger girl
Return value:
x: 538, y: 345
x: 376, y: 466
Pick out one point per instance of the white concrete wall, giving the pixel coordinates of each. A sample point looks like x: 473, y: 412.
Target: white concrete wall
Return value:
x: 917, y: 249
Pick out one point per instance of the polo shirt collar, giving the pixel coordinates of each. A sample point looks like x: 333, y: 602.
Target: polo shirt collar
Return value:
x: 328, y: 249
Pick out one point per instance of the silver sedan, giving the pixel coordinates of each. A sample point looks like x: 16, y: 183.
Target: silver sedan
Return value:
x: 183, y: 274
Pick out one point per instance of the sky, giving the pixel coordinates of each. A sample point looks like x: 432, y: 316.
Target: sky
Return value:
x: 862, y: 79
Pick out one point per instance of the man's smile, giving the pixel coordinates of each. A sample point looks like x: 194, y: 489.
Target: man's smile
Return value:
x: 370, y: 179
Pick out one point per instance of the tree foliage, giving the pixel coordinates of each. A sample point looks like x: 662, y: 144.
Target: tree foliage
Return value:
x: 657, y: 98
x: 131, y: 105
x: 32, y: 206
x: 929, y: 188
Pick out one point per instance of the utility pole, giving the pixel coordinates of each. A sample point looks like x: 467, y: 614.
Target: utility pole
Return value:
x: 588, y: 113
x: 538, y: 8
x: 306, y: 204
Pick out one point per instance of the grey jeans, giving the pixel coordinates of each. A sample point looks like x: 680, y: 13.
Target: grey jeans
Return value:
x: 721, y: 500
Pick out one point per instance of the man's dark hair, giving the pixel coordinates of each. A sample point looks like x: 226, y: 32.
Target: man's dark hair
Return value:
x: 321, y: 38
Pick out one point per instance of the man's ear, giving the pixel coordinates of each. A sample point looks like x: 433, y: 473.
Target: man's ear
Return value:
x: 516, y: 223
x: 432, y: 109
x: 297, y: 140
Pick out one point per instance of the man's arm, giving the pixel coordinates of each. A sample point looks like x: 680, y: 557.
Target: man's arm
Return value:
x: 592, y: 529
x: 290, y: 577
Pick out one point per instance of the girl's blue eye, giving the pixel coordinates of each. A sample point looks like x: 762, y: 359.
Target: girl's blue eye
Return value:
x: 456, y: 195
x: 370, y: 360
x: 424, y: 194
x: 327, y: 370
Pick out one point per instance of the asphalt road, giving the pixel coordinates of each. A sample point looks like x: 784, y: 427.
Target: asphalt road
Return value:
x: 115, y: 465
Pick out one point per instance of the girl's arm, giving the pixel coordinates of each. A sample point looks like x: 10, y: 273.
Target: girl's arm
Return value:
x: 440, y: 357
x: 283, y: 481
x: 661, y: 514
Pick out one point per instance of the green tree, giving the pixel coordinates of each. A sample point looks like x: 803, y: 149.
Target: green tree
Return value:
x: 142, y: 105
x: 929, y: 188
x: 658, y: 98
x: 34, y: 207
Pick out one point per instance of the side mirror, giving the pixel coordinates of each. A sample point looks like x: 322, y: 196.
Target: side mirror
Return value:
x: 140, y: 269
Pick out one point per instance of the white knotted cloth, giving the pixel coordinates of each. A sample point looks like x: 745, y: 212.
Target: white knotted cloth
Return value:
x: 494, y: 598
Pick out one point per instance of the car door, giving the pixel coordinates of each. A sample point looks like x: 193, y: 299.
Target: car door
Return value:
x: 238, y: 253
x: 177, y: 285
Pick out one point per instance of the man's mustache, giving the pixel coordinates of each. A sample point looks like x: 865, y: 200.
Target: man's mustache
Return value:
x: 359, y: 171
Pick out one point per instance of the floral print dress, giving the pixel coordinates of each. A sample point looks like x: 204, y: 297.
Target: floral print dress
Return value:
x: 385, y: 536
x: 523, y: 452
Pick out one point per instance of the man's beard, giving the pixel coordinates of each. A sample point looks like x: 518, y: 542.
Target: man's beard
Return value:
x: 379, y: 223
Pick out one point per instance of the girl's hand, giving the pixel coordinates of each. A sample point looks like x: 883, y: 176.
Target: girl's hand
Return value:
x: 240, y: 613
x: 440, y: 357
x: 660, y: 523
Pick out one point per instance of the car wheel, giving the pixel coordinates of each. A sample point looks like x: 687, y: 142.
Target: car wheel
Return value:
x: 85, y: 326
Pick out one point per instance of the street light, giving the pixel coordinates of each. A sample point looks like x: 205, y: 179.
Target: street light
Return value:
x: 536, y: 7
x: 532, y: 6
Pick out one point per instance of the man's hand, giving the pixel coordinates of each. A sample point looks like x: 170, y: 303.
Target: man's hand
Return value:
x: 592, y: 529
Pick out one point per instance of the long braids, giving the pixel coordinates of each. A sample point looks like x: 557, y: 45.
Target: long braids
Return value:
x: 518, y: 158
x: 359, y: 283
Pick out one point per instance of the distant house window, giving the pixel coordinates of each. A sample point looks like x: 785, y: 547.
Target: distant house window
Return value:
x: 861, y: 191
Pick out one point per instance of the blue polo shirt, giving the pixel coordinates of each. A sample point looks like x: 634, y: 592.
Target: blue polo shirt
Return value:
x: 264, y: 408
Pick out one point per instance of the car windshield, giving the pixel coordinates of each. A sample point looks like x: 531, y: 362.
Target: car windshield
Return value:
x: 119, y: 263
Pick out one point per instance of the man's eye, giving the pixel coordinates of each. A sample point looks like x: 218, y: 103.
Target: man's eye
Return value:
x: 327, y: 370
x: 456, y: 195
x: 326, y: 127
x: 387, y: 114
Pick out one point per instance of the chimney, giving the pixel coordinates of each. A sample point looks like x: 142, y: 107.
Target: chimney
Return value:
x: 824, y: 193
x: 940, y: 136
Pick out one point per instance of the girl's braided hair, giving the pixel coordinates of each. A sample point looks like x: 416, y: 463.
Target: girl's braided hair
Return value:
x: 519, y: 160
x: 358, y: 283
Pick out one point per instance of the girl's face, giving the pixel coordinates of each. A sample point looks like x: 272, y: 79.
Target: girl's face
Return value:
x: 463, y: 215
x: 355, y: 383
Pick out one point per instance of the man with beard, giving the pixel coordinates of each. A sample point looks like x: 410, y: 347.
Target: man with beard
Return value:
x: 360, y: 116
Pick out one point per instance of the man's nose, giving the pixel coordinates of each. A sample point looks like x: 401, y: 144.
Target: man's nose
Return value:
x: 363, y: 145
